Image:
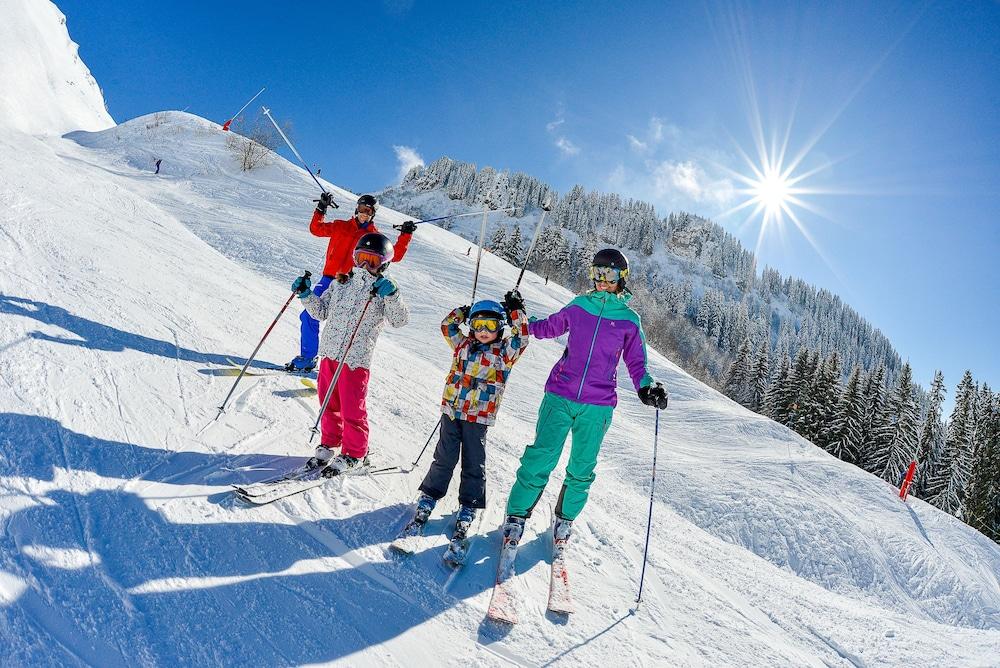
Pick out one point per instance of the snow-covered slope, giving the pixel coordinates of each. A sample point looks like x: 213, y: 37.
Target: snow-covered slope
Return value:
x: 122, y: 546
x: 123, y: 293
x: 44, y: 86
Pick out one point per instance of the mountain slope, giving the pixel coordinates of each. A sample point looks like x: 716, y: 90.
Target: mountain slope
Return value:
x: 123, y: 547
x: 46, y: 88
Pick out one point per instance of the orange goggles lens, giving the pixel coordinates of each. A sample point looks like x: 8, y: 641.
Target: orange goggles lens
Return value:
x: 367, y: 258
x: 484, y: 324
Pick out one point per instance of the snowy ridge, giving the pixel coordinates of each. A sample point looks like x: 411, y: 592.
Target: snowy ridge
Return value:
x: 46, y: 88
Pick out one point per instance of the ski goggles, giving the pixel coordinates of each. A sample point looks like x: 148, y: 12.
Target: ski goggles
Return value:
x: 484, y: 325
x: 369, y: 259
x: 607, y: 274
x: 365, y: 209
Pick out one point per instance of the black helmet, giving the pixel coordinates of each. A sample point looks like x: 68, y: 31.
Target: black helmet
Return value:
x: 378, y: 244
x: 367, y: 200
x: 609, y: 257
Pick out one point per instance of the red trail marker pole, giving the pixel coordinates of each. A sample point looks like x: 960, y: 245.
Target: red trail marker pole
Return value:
x: 904, y: 489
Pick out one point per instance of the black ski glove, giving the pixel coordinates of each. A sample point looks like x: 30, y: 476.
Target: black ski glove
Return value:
x: 654, y: 395
x: 463, y: 311
x: 409, y: 227
x: 324, y: 202
x: 512, y: 301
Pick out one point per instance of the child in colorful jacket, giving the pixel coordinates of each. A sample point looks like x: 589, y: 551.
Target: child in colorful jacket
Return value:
x: 481, y: 364
x: 361, y: 306
x: 580, y: 394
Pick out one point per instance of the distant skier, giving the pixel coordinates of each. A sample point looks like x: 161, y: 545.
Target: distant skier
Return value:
x: 580, y: 396
x: 344, y: 236
x: 345, y: 422
x: 158, y: 161
x: 480, y: 366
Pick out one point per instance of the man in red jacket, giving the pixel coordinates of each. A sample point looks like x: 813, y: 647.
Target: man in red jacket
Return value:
x: 344, y: 236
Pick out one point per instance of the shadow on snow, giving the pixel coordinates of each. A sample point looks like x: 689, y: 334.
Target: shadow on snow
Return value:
x: 153, y: 590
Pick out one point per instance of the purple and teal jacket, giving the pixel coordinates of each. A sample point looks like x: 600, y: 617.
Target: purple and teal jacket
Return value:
x: 602, y: 329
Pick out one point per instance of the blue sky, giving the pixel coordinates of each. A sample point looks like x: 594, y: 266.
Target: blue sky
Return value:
x: 894, y: 105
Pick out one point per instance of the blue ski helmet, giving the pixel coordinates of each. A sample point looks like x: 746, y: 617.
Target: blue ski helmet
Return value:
x: 488, y: 307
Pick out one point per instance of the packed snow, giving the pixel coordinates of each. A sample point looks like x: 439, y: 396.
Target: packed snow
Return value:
x: 124, y: 293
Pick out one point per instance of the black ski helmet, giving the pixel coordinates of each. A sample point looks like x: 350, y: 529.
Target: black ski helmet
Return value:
x: 610, y: 257
x: 377, y: 243
x: 366, y: 200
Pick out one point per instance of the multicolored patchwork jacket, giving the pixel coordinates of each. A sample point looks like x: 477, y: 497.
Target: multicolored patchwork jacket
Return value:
x: 602, y: 330
x: 479, y: 371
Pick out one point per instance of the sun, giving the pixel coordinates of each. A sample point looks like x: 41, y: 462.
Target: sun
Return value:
x: 774, y: 192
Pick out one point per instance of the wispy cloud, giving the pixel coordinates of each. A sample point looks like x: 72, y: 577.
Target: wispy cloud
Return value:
x: 567, y: 147
x: 691, y: 182
x: 552, y: 126
x: 408, y: 159
x: 637, y: 144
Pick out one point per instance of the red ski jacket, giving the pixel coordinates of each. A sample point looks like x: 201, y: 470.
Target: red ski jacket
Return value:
x: 344, y: 236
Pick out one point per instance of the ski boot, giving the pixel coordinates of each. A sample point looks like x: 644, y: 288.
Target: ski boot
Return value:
x: 458, y: 548
x: 320, y: 458
x: 561, y: 530
x: 405, y: 542
x: 301, y: 364
x: 345, y: 465
x: 513, y: 529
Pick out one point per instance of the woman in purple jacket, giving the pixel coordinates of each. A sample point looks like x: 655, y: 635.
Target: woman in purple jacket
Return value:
x: 580, y: 394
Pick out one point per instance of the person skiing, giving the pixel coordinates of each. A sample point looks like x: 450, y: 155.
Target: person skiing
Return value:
x: 580, y: 396
x: 360, y: 304
x: 158, y: 161
x: 344, y: 236
x: 480, y: 367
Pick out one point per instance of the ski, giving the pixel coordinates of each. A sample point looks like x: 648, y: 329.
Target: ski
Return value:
x: 296, y: 482
x: 560, y: 600
x: 503, y: 602
x: 308, y: 382
x: 264, y: 370
x: 282, y: 490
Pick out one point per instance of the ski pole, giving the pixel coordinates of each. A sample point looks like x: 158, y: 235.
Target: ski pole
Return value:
x: 649, y: 521
x: 428, y: 442
x: 340, y: 367
x: 546, y: 207
x: 479, y: 254
x: 457, y: 215
x: 225, y: 126
x: 267, y: 112
x: 222, y: 408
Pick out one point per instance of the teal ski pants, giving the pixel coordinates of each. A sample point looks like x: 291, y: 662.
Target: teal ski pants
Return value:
x: 557, y: 417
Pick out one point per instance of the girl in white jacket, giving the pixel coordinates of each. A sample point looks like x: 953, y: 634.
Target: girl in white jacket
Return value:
x: 360, y: 306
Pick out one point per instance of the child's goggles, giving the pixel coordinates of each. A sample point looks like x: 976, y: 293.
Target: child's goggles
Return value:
x: 369, y: 259
x: 365, y: 209
x: 607, y: 274
x: 484, y: 325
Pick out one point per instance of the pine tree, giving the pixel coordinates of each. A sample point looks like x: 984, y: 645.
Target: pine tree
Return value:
x: 737, y: 380
x: 902, y: 446
x: 787, y: 405
x: 498, y: 242
x: 949, y: 483
x: 982, y: 494
x: 871, y: 457
x: 931, y: 439
x: 774, y: 392
x: 759, y: 377
x: 515, y: 247
x: 824, y: 393
x: 844, y: 441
